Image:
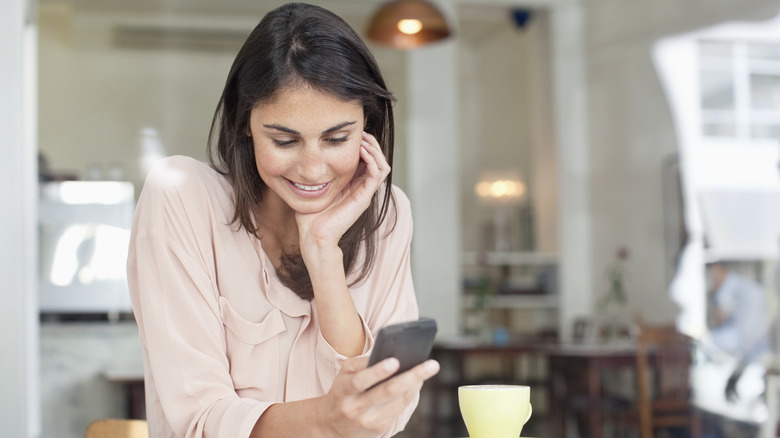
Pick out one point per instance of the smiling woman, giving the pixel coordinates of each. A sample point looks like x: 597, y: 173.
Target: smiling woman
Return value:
x: 259, y: 281
x: 307, y: 147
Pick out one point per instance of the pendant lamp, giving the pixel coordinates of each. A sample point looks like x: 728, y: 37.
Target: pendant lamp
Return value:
x: 406, y: 24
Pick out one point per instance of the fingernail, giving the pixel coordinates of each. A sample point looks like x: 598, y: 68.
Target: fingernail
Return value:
x: 431, y: 366
x: 391, y: 364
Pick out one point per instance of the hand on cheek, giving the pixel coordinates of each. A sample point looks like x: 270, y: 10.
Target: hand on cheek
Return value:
x: 327, y: 227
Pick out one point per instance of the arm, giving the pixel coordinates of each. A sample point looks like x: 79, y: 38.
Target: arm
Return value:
x: 340, y: 322
x: 387, y: 296
x: 176, y: 305
x: 350, y: 408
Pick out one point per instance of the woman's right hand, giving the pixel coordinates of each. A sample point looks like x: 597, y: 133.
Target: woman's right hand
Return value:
x: 351, y: 409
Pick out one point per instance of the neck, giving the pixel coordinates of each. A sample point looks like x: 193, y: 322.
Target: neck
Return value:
x: 277, y: 221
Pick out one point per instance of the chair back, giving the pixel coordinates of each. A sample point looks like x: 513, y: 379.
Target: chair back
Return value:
x: 663, y: 381
x: 116, y: 428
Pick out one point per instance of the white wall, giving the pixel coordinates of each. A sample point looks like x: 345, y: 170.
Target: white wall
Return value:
x: 19, y: 399
x: 432, y: 163
x: 493, y: 119
x: 96, y: 98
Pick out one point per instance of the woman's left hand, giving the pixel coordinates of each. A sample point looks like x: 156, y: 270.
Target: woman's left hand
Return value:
x: 325, y: 228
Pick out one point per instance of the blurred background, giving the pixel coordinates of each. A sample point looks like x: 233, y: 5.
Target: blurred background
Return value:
x: 572, y: 165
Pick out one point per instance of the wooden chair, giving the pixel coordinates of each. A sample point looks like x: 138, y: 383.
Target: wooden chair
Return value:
x: 113, y: 428
x: 663, y: 390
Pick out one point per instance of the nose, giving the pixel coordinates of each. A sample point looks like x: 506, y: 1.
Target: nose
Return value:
x: 311, y: 164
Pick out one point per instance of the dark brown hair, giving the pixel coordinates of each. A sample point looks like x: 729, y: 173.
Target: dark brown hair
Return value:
x: 301, y: 44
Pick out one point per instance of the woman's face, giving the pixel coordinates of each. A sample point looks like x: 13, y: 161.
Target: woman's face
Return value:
x: 307, y: 146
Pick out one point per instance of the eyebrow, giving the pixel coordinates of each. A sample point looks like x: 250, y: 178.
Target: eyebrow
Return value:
x: 294, y: 132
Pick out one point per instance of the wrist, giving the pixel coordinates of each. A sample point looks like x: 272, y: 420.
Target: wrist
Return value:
x: 322, y: 427
x: 321, y: 254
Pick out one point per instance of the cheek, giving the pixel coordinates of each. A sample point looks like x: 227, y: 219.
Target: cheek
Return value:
x: 269, y: 163
x: 347, y: 162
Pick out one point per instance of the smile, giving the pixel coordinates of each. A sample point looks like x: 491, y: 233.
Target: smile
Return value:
x: 309, y: 188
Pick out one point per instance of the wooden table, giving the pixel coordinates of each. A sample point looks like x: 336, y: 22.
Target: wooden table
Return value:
x: 583, y: 361
x: 564, y: 361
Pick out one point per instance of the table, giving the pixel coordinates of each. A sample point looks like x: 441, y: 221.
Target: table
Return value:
x: 562, y: 359
x: 569, y: 361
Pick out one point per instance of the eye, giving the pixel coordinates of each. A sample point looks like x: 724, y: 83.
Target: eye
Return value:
x: 337, y: 140
x: 282, y: 143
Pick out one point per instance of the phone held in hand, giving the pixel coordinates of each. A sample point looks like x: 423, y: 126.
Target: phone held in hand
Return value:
x: 409, y: 342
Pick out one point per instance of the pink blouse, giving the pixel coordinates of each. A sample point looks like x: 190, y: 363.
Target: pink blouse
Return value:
x: 222, y: 338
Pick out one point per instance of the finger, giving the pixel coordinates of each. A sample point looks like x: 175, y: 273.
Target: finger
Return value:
x: 388, y: 411
x: 376, y: 163
x: 403, y: 382
x: 375, y: 374
x: 376, y: 150
x: 371, y: 139
x: 369, y: 158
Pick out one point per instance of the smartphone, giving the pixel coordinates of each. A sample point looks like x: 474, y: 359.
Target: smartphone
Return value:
x: 409, y: 342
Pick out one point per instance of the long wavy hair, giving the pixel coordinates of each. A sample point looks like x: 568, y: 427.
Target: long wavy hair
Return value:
x: 300, y: 44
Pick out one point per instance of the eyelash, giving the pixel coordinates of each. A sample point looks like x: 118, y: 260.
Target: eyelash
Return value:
x: 332, y: 141
x: 337, y: 140
x: 282, y: 143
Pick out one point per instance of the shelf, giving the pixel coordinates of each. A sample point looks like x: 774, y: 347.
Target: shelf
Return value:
x: 510, y: 258
x: 515, y: 301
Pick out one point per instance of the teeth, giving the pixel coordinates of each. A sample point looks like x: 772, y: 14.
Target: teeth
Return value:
x: 309, y: 188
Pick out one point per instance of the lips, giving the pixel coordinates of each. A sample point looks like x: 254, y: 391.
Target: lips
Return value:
x: 308, y: 191
x: 309, y: 188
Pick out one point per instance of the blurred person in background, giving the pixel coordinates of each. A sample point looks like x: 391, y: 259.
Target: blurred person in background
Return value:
x: 737, y: 315
x: 739, y: 320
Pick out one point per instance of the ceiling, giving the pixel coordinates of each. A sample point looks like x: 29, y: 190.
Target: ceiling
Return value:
x: 475, y: 13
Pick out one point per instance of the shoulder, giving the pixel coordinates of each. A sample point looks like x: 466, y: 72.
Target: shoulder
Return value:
x: 184, y: 183
x: 183, y: 175
x: 179, y: 171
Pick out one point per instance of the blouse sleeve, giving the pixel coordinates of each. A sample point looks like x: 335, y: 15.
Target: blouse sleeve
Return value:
x: 176, y: 305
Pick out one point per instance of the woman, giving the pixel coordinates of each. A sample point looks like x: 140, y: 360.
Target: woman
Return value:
x: 259, y: 282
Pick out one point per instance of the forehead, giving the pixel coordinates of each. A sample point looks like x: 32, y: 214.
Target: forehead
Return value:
x: 301, y: 105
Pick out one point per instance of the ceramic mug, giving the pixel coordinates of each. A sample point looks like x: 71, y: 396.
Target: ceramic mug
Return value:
x: 495, y: 411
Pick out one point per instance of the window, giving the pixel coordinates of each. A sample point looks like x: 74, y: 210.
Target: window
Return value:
x: 740, y: 89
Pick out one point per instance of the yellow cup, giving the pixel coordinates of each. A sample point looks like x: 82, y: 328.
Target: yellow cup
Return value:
x: 495, y: 411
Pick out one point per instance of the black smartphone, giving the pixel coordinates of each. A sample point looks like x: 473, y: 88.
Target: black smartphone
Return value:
x: 409, y: 342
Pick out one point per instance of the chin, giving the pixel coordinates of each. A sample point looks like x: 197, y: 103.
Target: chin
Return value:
x: 309, y: 207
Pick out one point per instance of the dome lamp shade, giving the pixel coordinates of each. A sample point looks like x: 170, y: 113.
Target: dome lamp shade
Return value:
x: 407, y: 24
